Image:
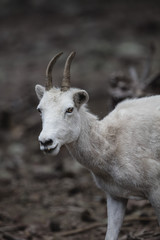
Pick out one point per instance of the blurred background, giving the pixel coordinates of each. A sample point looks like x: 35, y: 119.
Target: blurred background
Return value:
x: 117, y: 57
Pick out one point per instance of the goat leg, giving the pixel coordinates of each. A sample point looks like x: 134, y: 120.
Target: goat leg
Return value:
x: 116, y: 210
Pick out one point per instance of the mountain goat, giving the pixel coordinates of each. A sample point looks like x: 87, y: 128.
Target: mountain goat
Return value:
x: 122, y: 150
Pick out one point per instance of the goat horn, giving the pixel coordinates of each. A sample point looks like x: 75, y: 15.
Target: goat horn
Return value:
x: 66, y: 74
x: 48, y: 85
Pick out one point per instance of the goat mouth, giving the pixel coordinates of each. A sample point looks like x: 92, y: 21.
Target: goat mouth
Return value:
x: 50, y: 150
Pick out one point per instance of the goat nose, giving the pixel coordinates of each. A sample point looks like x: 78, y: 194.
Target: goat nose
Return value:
x: 46, y: 142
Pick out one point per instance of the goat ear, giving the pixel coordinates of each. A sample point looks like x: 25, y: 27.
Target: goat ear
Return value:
x: 80, y: 98
x: 39, y: 91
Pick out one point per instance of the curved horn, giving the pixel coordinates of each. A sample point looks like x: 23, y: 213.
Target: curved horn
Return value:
x: 66, y: 74
x: 48, y: 85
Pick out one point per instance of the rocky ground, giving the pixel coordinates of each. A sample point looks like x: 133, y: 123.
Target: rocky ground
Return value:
x: 55, y: 198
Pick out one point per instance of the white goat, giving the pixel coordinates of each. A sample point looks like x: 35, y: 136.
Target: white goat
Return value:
x: 122, y: 151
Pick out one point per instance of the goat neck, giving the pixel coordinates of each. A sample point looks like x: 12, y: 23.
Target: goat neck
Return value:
x: 91, y: 147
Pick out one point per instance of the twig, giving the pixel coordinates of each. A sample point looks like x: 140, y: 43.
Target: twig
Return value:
x: 12, y: 228
x: 80, y: 230
x: 102, y: 224
x: 140, y: 219
x: 10, y: 237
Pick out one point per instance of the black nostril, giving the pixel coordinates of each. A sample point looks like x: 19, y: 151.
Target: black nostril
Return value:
x: 47, y: 142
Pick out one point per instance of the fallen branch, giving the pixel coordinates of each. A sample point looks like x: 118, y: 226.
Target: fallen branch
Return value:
x: 103, y: 224
x: 140, y: 219
x: 80, y: 230
x: 12, y: 228
x: 10, y: 237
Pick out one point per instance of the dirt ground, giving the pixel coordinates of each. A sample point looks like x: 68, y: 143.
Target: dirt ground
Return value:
x: 46, y: 198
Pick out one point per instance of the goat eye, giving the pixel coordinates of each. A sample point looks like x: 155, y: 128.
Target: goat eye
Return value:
x: 69, y: 110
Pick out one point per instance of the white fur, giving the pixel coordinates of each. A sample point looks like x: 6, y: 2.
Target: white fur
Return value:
x: 122, y: 150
